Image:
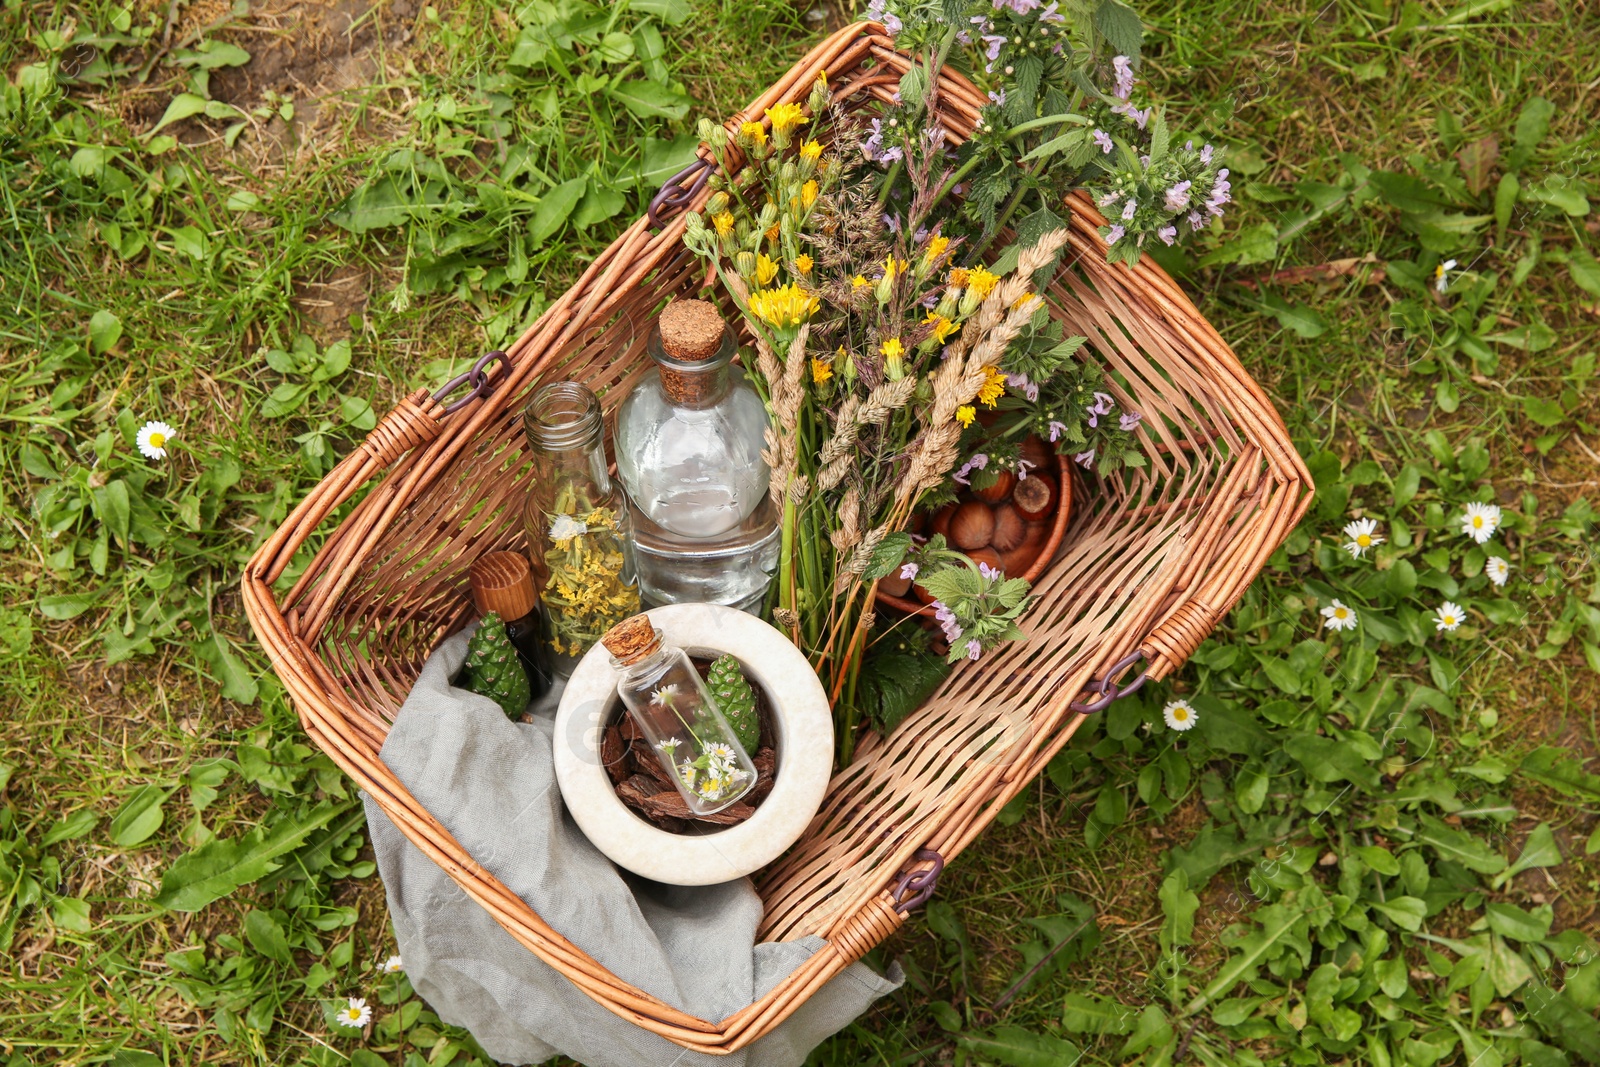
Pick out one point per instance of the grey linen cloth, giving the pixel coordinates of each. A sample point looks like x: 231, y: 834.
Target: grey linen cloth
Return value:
x: 491, y: 783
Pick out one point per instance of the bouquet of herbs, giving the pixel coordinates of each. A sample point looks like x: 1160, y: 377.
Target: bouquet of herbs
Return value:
x: 898, y: 353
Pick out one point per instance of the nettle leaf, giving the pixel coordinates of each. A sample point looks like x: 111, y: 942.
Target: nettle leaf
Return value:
x: 887, y: 556
x: 1120, y: 26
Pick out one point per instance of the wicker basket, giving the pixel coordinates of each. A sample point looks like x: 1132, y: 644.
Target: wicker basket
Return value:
x: 1153, y: 559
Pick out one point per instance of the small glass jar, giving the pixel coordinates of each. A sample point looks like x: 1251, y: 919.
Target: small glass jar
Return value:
x: 576, y: 523
x: 667, y: 698
x: 689, y: 440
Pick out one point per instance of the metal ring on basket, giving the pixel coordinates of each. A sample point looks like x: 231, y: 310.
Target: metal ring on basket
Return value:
x: 1107, y: 685
x: 675, y: 194
x: 915, y: 888
x: 482, y: 384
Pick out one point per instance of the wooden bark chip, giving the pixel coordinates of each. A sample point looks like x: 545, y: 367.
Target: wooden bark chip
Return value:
x: 691, y: 331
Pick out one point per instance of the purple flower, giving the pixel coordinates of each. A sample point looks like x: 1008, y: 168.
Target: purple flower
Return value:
x: 1196, y: 221
x: 997, y: 99
x: 909, y: 571
x: 875, y: 10
x: 1144, y: 161
x: 1205, y: 154
x: 895, y: 98
x: 1178, y: 196
x: 921, y: 235
x: 893, y: 25
x: 892, y: 222
x: 1021, y: 383
x: 992, y: 45
x: 1219, y: 193
x: 976, y: 463
x: 1168, y: 234
x: 1130, y: 420
x: 1103, y: 403
x: 1103, y: 139
x: 1110, y: 198
x: 1129, y: 208
x: 947, y: 621
x: 890, y: 155
x: 1056, y: 430
x: 1124, y: 69
x: 930, y: 301
x: 974, y: 650
x: 1023, y: 467
x: 1050, y: 14
x: 1188, y: 146
x: 873, y: 144
x: 1133, y: 114
x: 1021, y: 7
x: 935, y: 133
x: 1084, y: 459
x: 988, y: 572
x: 1114, y: 235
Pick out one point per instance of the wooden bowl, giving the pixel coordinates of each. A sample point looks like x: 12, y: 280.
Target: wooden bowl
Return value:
x: 1058, y: 529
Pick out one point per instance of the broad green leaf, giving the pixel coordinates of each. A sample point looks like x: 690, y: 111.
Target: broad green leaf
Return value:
x: 1568, y: 198
x: 213, y: 54
x: 1508, y: 920
x: 1252, y: 244
x: 662, y: 159
x: 1305, y: 321
x: 1405, y: 912
x: 1585, y: 271
x: 266, y: 936
x: 1459, y: 846
x: 1564, y: 1021
x: 886, y: 556
x: 1084, y: 1014
x: 105, y: 330
x: 70, y: 828
x: 183, y: 106
x: 1119, y: 25
x: 1178, y: 904
x: 1540, y: 850
x: 1542, y: 411
x: 1534, y: 121
x: 1276, y: 921
x: 1016, y: 1047
x: 1506, y: 968
x: 648, y: 99
x: 70, y: 913
x: 672, y: 12
x: 139, y: 817
x: 218, y: 867
x: 554, y: 208
x: 598, y: 204
x: 238, y: 682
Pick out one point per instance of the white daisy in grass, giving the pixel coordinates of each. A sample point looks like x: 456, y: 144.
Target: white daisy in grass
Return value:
x: 1480, y: 521
x: 1441, y: 275
x: 152, y: 439
x: 356, y: 1014
x: 1339, y: 616
x: 1363, y: 534
x: 1180, y: 714
x: 393, y: 965
x: 1497, y: 569
x: 1449, y: 617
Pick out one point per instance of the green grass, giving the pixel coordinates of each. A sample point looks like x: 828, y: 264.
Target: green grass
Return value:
x: 142, y: 280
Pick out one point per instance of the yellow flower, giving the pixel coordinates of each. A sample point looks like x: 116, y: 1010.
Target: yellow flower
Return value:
x: 1024, y: 300
x: 893, y: 359
x: 787, y: 305
x: 808, y: 193
x: 723, y: 223
x: 892, y: 349
x: 965, y: 414
x: 755, y: 131
x: 802, y: 263
x: 786, y: 117
x: 982, y: 282
x: 811, y: 151
x: 766, y: 270
x: 958, y: 277
x: 935, y: 249
x: 892, y: 266
x: 821, y: 370
x: 859, y: 282
x: 772, y: 233
x: 993, y: 387
x: 942, y: 327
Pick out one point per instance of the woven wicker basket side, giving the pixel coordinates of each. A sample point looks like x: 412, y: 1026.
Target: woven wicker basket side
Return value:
x: 1152, y: 561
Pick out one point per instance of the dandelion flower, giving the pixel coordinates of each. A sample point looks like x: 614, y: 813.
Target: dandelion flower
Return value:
x: 959, y: 277
x: 786, y: 117
x: 936, y: 248
x: 787, y: 305
x: 811, y: 151
x: 723, y: 223
x: 1441, y: 275
x: 1180, y: 714
x: 1480, y: 521
x: 803, y: 263
x: 808, y: 193
x: 942, y: 327
x: 153, y: 437
x: 1449, y: 617
x: 821, y: 370
x: 766, y: 269
x: 393, y: 965
x: 1339, y: 616
x: 1497, y: 569
x: 755, y: 131
x: 981, y: 281
x: 356, y: 1014
x: 860, y: 281
x: 965, y: 414
x: 993, y: 387
x: 1363, y: 534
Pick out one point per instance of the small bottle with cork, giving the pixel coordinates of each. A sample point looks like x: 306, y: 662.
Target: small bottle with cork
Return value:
x: 668, y: 700
x: 689, y: 438
x: 502, y: 583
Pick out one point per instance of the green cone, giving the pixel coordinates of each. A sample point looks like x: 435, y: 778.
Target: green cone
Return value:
x: 736, y: 700
x: 493, y: 669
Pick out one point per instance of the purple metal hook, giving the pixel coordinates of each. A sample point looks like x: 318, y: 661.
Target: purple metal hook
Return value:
x: 482, y: 384
x: 675, y: 194
x: 1107, y: 684
x: 918, y: 884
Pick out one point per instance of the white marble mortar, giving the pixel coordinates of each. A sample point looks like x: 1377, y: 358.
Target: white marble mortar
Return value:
x: 801, y: 718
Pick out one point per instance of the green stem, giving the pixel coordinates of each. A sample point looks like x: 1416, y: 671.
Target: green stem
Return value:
x: 1043, y: 120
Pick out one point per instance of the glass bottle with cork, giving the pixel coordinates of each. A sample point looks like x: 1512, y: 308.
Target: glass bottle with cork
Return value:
x: 502, y: 582
x: 689, y: 439
x: 576, y: 523
x: 670, y: 703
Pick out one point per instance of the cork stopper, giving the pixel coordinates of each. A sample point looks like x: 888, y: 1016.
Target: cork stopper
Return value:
x: 502, y: 582
x: 632, y: 639
x: 691, y: 330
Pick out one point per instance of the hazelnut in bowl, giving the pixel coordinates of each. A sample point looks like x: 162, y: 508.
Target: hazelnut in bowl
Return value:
x: 1018, y: 522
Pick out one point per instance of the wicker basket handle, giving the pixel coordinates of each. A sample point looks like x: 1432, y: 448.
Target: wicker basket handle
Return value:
x: 1167, y: 648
